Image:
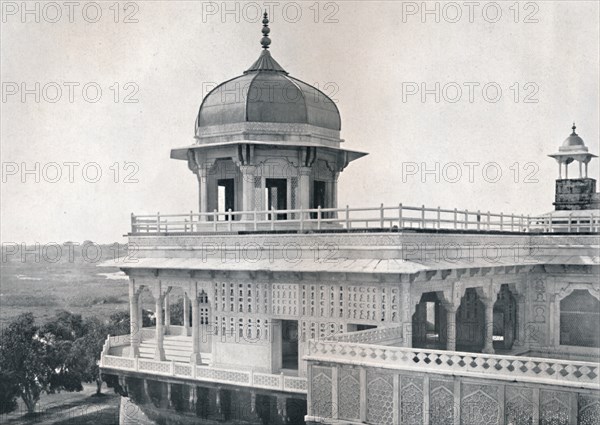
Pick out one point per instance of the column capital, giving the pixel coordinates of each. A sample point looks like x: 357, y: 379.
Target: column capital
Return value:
x: 450, y: 307
x: 248, y: 169
x: 304, y: 171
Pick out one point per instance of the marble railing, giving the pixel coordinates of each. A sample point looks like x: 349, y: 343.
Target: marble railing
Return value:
x: 399, y: 216
x: 244, y: 378
x: 476, y: 365
x: 382, y: 336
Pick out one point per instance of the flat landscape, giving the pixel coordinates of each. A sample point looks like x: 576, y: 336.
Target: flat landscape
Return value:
x: 43, y: 288
x: 75, y: 285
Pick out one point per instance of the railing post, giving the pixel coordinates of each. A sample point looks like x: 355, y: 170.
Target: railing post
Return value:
x: 272, y: 218
x: 478, y: 220
x: 158, y: 222
x: 466, y: 219
x: 254, y: 220
x: 455, y: 218
x: 488, y: 220
x: 528, y: 223
x: 569, y: 222
x: 501, y: 221
x: 282, y: 383
x: 512, y: 222
x: 133, y: 230
x: 521, y: 221
x: 381, y: 216
x: 400, y: 221
x: 215, y: 218
x: 439, y: 218
x: 191, y: 221
x: 347, y: 217
x: 422, y: 216
x: 319, y: 217
x: 230, y: 219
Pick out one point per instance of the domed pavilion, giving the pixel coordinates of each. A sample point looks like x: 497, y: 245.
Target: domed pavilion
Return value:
x: 266, y: 140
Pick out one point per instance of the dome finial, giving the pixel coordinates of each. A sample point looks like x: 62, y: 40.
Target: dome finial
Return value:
x: 265, y: 41
x: 573, y: 128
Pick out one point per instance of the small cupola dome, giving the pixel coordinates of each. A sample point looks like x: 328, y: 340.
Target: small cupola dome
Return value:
x: 573, y: 142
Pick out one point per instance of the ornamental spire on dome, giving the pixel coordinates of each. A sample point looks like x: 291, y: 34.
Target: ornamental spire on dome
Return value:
x: 265, y: 62
x: 265, y: 41
x: 573, y: 128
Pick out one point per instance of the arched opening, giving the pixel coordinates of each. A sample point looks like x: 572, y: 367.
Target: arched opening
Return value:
x: 224, y: 189
x: 470, y: 322
x: 429, y: 322
x: 505, y: 312
x: 174, y: 312
x: 579, y: 319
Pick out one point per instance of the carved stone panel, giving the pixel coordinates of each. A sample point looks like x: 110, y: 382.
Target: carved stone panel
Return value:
x: 321, y: 392
x: 554, y: 408
x: 479, y: 405
x: 411, y: 400
x: 441, y: 403
x: 380, y: 398
x: 588, y: 410
x: 519, y: 405
x: 349, y: 394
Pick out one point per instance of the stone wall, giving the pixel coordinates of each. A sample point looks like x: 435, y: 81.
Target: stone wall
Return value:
x: 352, y: 394
x: 576, y: 194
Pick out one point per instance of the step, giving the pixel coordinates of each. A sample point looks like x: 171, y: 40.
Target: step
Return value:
x: 206, y: 357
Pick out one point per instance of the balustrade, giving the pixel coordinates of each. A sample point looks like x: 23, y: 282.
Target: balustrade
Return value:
x: 382, y: 217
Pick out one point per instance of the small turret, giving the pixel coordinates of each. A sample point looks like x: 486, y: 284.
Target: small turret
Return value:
x: 574, y: 193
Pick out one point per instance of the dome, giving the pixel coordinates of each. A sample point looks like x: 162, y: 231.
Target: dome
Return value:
x: 573, y: 142
x: 265, y: 93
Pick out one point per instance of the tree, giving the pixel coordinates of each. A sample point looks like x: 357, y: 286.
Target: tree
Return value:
x: 42, y: 359
x: 9, y: 391
x: 66, y: 326
x: 119, y: 322
x: 87, y: 349
x: 176, y: 313
x: 25, y: 358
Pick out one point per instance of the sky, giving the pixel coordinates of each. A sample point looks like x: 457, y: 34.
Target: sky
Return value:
x: 457, y: 106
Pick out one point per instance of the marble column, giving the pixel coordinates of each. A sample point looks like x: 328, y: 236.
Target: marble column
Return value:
x: 304, y: 189
x: 559, y: 170
x: 169, y: 395
x: 450, y: 327
x: 406, y: 315
x: 140, y: 313
x: 282, y: 409
x: 134, y: 322
x: 160, y: 351
x: 186, y: 315
x: 488, y: 347
x: 195, y: 357
x: 248, y: 202
x: 520, y: 337
x: 167, y: 312
x: 192, y: 397
x: 202, y: 174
